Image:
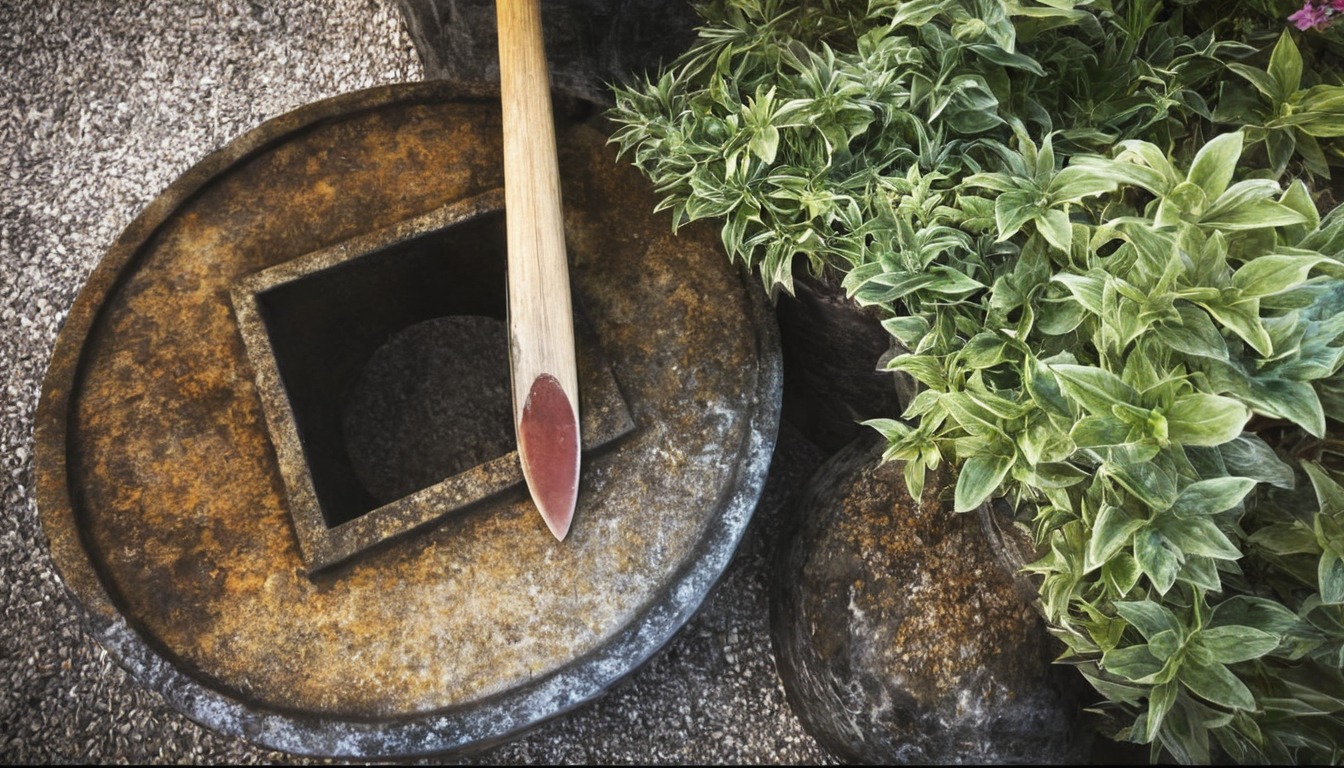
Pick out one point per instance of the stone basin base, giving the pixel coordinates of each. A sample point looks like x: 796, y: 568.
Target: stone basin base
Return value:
x: 161, y: 486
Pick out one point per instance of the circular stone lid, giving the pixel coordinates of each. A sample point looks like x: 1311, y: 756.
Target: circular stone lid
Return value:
x: 199, y: 477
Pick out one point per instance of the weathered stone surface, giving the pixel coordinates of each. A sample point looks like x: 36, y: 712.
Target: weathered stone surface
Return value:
x: 833, y: 349
x: 901, y: 640
x: 166, y: 508
x: 589, y: 43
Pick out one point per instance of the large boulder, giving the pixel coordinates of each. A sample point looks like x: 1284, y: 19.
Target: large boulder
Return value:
x: 901, y: 640
x: 834, y: 350
x: 589, y: 43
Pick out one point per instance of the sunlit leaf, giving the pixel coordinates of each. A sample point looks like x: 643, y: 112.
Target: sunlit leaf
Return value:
x: 1112, y: 531
x: 1158, y: 558
x: 1214, y: 683
x: 1197, y: 536
x: 979, y: 478
x: 1233, y: 643
x: 1215, y: 163
x: 1204, y: 419
x: 1093, y: 388
x: 1208, y: 497
x: 1285, y: 66
x: 1134, y: 663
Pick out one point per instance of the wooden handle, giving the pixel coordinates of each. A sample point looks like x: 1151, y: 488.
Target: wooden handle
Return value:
x: 541, y: 320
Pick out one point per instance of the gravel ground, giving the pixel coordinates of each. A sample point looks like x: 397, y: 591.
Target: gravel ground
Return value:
x: 102, y: 104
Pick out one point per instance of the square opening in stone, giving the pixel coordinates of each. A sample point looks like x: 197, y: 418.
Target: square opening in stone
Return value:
x: 382, y: 365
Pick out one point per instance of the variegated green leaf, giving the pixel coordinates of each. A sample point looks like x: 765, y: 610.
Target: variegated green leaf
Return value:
x: 1093, y: 388
x: 1232, y: 644
x: 1111, y: 532
x: 1204, y: 419
x: 1285, y: 66
x: 1209, y: 497
x: 1197, y: 536
x: 1215, y: 163
x: 1158, y: 558
x: 979, y: 478
x: 1214, y: 683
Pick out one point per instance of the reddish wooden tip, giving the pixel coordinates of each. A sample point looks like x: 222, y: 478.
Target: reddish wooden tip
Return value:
x: 548, y: 445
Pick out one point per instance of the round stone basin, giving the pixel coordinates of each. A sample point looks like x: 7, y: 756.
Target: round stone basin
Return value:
x: 178, y: 439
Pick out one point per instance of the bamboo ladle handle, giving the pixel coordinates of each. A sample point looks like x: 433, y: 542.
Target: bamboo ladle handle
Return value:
x: 541, y: 320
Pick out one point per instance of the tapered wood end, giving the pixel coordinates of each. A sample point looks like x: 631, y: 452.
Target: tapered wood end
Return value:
x: 548, y: 446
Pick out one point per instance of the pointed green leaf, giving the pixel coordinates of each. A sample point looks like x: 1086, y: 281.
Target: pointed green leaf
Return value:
x: 1148, y: 617
x: 907, y: 329
x: 1166, y: 644
x: 1196, y: 335
x: 1253, y: 214
x: 1209, y: 497
x: 1243, y: 317
x: 1198, y: 536
x: 926, y: 369
x: 1330, y: 574
x: 1120, y: 573
x: 1215, y: 163
x: 1293, y: 400
x: 1268, y: 616
x: 1158, y: 558
x: 1201, y: 572
x: 1214, y: 683
x: 1012, y: 210
x: 1043, y: 386
x: 1054, y: 225
x: 1135, y: 663
x: 1095, y: 389
x: 1184, y: 202
x: 952, y: 282
x: 1151, y: 484
x: 1285, y: 66
x: 1249, y: 456
x: 1110, y: 533
x: 1160, y: 701
x: 972, y: 416
x: 1204, y: 419
x: 1079, y: 181
x: 1054, y: 475
x: 979, y: 478
x: 1262, y: 80
x: 1293, y: 538
x: 1098, y: 431
x: 1087, y: 289
x: 1231, y: 644
x: 765, y: 143
x: 1121, y: 172
x: 1329, y: 493
x: 1299, y: 199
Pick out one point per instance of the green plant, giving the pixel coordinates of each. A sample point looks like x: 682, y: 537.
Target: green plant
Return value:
x: 1125, y: 317
x: 1173, y: 343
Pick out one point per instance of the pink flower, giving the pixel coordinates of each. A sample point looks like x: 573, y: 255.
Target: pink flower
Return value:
x: 1311, y: 16
x: 1338, y: 5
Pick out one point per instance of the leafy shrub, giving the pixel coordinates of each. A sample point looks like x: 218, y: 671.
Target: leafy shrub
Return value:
x: 1095, y: 228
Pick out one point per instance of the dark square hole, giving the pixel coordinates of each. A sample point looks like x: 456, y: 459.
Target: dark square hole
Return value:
x: 383, y: 368
x: 326, y: 328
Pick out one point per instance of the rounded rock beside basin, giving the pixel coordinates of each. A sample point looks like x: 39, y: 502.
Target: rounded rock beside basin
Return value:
x: 902, y: 640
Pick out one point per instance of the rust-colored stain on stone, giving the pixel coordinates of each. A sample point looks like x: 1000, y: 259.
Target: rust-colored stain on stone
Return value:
x: 961, y: 615
x: 163, y: 456
x: 900, y: 637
